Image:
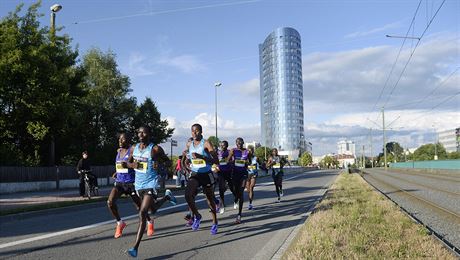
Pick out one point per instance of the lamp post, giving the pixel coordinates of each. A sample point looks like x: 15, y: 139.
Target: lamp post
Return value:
x: 435, y: 144
x: 216, y: 85
x: 54, y: 9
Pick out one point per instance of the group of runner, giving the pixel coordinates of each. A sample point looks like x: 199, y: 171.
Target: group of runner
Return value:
x: 205, y: 167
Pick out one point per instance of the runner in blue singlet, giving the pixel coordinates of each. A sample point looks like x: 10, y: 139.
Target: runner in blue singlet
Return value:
x: 144, y: 159
x: 202, y: 155
x: 124, y: 184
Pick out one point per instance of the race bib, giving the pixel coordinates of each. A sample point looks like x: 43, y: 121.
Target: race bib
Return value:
x: 119, y: 168
x: 222, y: 162
x: 277, y: 165
x: 251, y: 167
x: 198, y: 163
x: 240, y: 163
x: 142, y: 167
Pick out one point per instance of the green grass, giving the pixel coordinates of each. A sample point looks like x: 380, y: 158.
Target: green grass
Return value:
x: 356, y: 222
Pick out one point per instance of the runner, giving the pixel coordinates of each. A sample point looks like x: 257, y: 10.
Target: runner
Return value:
x: 225, y: 174
x: 124, y: 184
x: 240, y: 157
x: 253, y: 169
x: 145, y: 158
x: 276, y: 163
x: 202, y: 155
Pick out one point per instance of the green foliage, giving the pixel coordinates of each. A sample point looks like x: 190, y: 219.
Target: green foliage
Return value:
x: 396, y: 152
x: 305, y: 159
x: 48, y: 100
x: 148, y: 114
x: 329, y: 162
x: 453, y: 155
x: 37, y: 73
x: 214, y: 141
x: 426, y: 152
x: 263, y: 152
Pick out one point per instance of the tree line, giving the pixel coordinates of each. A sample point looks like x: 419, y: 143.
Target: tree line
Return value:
x: 55, y: 103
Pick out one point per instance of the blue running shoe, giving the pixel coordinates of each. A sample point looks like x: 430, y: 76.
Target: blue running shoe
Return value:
x: 196, y: 223
x: 214, y: 229
x: 172, y: 199
x: 250, y: 207
x: 132, y: 252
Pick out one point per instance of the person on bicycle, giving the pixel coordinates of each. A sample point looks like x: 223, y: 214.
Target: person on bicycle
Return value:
x: 84, y: 166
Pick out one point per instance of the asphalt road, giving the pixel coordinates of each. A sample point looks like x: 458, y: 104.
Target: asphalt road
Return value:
x: 86, y: 231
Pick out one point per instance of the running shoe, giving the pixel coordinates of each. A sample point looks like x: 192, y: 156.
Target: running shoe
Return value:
x: 132, y: 252
x: 196, y: 223
x: 214, y: 229
x: 281, y: 193
x: 279, y: 200
x: 172, y: 199
x: 222, y: 210
x: 250, y: 207
x: 238, y: 219
x: 150, y: 228
x: 235, y: 205
x: 119, y: 230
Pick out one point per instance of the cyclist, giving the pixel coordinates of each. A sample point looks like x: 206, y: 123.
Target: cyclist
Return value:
x: 84, y: 166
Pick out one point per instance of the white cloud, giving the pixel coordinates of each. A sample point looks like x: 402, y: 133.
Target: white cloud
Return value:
x: 383, y: 28
x: 185, y: 63
x: 250, y: 87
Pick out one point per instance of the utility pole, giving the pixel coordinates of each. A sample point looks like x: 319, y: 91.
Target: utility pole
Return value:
x: 372, y: 156
x: 384, y: 138
x: 362, y: 158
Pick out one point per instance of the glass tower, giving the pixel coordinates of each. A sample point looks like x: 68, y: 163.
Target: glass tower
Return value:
x: 281, y: 90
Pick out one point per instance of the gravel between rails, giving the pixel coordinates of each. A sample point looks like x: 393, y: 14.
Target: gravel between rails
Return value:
x: 422, y: 202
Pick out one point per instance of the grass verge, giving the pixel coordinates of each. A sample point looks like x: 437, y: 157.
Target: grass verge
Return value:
x: 355, y: 222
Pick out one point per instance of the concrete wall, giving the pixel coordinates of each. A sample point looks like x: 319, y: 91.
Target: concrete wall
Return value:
x: 12, y: 187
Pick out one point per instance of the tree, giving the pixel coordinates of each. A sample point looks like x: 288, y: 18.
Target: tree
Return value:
x: 453, y: 155
x: 426, y: 152
x: 147, y: 114
x: 38, y: 85
x: 329, y: 162
x: 263, y: 152
x: 106, y: 108
x: 397, y: 152
x: 305, y: 159
x: 214, y: 141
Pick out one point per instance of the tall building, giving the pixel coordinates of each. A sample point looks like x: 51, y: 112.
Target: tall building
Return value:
x: 450, y: 139
x: 281, y: 91
x: 346, y: 147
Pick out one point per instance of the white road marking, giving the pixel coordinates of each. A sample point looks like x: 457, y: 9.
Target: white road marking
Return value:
x: 72, y: 230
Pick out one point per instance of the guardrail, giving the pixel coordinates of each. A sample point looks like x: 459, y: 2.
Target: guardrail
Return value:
x: 440, y: 164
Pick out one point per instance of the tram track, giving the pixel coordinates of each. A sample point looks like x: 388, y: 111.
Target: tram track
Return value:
x: 444, y: 215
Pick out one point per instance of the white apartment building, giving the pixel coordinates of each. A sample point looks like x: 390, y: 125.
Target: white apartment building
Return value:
x: 450, y: 139
x: 346, y: 147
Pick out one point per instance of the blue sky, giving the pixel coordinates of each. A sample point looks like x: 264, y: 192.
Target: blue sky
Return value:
x: 174, y: 51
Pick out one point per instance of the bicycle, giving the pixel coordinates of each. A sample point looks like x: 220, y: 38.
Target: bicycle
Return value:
x: 90, y: 188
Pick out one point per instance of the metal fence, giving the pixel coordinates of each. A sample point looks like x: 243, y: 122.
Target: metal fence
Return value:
x: 440, y: 164
x: 34, y: 174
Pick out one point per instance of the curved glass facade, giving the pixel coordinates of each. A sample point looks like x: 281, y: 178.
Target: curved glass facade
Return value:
x: 281, y: 90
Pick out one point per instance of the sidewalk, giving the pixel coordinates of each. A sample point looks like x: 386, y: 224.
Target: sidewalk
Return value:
x: 20, y: 200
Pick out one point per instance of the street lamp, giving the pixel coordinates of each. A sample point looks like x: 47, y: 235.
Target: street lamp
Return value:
x: 54, y: 9
x: 216, y: 85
